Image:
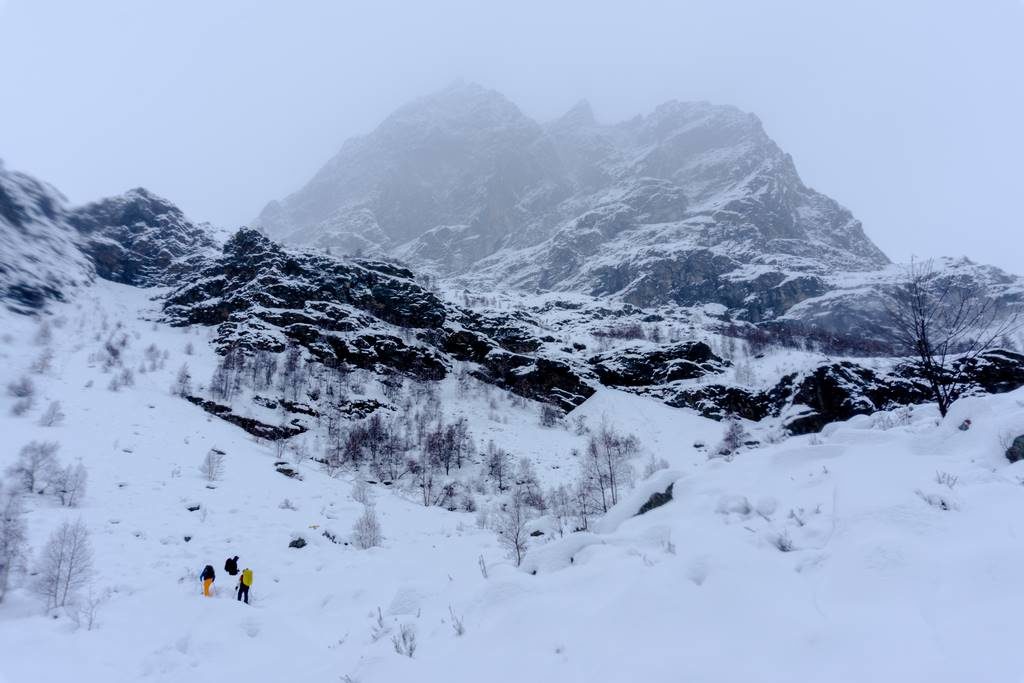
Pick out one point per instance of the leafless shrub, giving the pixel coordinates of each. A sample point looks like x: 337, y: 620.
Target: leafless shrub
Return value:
x: 404, y: 641
x: 43, y: 362
x: 483, y: 566
x: 52, y: 416
x: 68, y: 484
x: 84, y: 614
x: 44, y: 335
x: 946, y: 479
x: 362, y: 493
x: 12, y: 536
x: 22, y: 406
x: 654, y: 465
x: 65, y: 565
x: 183, y: 382
x: 457, y: 623
x: 22, y: 387
x: 732, y: 440
x: 782, y: 542
x: 212, y: 466
x: 550, y: 416
x: 379, y: 628
x: 938, y: 500
x: 125, y: 378
x: 366, y: 532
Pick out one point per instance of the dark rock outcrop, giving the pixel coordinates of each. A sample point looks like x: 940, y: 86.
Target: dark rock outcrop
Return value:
x: 140, y: 239
x: 657, y: 499
x: 252, y: 426
x: 1016, y: 450
x: 644, y: 367
x: 364, y: 314
x: 839, y: 391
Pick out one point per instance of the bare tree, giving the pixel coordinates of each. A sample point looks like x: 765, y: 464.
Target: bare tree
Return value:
x: 510, y: 525
x: 606, y: 466
x: 68, y: 484
x: 946, y: 323
x: 366, y: 532
x: 212, y: 466
x: 550, y: 416
x: 65, y: 565
x: 183, y: 383
x: 52, y: 416
x: 24, y: 390
x: 732, y: 439
x: 499, y: 465
x: 35, y: 463
x: 12, y: 536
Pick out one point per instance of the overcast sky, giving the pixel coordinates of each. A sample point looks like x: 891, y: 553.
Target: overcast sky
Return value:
x: 909, y: 113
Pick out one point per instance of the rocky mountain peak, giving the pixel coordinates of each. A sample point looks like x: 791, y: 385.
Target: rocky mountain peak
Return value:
x: 139, y: 238
x: 580, y: 115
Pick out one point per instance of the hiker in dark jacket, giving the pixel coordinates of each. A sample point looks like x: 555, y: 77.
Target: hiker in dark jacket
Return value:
x: 231, y: 566
x: 244, y: 584
x: 207, y: 577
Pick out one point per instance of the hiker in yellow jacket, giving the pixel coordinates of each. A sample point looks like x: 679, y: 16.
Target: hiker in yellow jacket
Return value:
x: 244, y: 584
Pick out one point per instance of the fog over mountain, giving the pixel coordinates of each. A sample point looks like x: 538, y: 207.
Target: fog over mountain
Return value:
x: 905, y: 113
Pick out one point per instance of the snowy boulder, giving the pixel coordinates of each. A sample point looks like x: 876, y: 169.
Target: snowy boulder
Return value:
x: 558, y: 554
x: 631, y: 504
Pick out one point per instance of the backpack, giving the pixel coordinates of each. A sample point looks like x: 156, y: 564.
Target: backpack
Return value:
x: 247, y: 577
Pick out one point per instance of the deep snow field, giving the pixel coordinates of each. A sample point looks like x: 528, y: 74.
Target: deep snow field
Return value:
x: 831, y: 557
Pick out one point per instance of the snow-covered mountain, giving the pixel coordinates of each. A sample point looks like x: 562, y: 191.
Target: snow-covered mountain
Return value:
x: 40, y: 254
x: 691, y: 204
x: 457, y: 479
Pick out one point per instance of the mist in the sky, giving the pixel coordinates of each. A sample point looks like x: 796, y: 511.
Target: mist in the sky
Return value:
x: 909, y: 113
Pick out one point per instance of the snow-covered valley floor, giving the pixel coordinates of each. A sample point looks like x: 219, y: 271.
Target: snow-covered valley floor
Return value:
x: 833, y: 557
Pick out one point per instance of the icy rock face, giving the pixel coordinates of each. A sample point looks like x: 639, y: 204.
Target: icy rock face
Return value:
x: 140, y: 239
x: 363, y: 313
x: 644, y: 367
x: 40, y: 259
x: 838, y: 391
x: 343, y: 312
x: 693, y: 203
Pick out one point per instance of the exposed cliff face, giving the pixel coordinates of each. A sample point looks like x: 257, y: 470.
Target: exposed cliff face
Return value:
x: 140, y: 239
x: 360, y: 313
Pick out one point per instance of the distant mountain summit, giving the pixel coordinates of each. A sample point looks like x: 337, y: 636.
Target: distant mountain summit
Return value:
x: 692, y: 203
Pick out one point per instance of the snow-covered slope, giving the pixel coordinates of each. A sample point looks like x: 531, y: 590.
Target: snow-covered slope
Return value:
x: 882, y: 549
x: 40, y: 256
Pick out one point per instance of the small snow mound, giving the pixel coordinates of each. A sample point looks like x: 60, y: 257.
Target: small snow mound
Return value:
x: 631, y: 503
